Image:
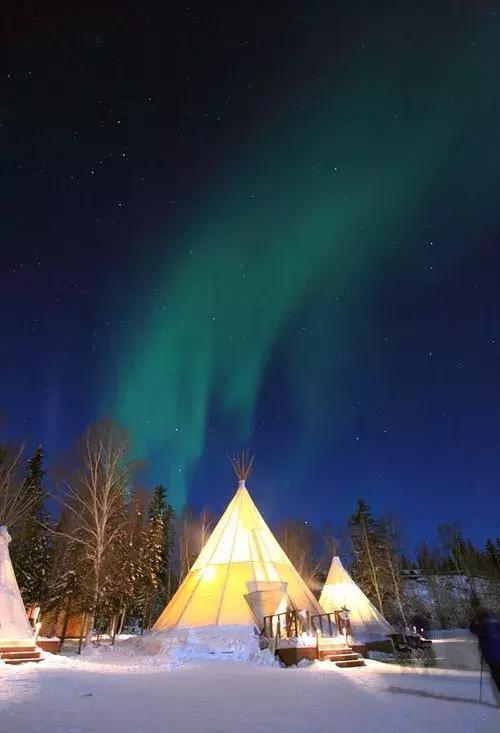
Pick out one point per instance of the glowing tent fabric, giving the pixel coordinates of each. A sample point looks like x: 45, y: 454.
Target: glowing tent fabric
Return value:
x: 14, y: 624
x: 240, y: 557
x: 266, y: 598
x: 340, y: 590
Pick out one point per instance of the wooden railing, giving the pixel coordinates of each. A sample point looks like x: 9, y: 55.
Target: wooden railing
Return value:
x: 291, y: 624
x: 286, y: 625
x: 323, y: 622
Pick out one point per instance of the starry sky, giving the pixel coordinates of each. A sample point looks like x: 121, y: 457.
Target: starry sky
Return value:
x: 272, y: 225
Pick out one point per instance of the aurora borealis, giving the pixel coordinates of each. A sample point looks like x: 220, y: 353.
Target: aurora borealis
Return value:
x: 329, y: 193
x: 280, y: 232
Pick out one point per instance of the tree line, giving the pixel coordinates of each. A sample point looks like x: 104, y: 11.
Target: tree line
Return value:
x: 100, y: 547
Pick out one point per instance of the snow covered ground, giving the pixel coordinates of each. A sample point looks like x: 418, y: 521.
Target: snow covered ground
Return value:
x: 456, y: 648
x: 148, y: 685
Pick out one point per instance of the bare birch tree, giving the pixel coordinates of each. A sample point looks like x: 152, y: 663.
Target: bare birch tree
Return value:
x: 299, y: 540
x: 96, y: 501
x: 393, y: 564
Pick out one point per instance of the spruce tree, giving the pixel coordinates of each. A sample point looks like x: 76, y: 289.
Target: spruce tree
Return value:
x: 492, y: 556
x: 367, y: 550
x: 426, y: 559
x: 151, y: 564
x: 124, y: 588
x: 31, y: 546
x: 162, y: 515
x: 66, y: 584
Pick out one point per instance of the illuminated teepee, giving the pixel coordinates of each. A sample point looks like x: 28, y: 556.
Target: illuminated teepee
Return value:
x: 340, y: 591
x: 14, y: 624
x: 242, y: 567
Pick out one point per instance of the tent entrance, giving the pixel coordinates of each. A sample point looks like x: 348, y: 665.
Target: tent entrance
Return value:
x: 266, y: 598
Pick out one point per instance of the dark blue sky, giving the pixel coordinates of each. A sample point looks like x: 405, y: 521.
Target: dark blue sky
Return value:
x: 117, y: 124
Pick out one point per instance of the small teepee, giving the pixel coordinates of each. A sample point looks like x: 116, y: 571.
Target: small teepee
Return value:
x: 14, y: 625
x: 240, y: 574
x: 340, y: 591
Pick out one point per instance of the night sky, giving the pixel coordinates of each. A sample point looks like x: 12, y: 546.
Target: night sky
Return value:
x: 273, y: 225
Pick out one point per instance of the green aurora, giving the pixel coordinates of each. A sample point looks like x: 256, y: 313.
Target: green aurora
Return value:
x: 311, y: 212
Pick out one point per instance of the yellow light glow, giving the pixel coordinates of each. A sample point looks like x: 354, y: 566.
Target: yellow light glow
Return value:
x: 208, y: 573
x: 240, y: 552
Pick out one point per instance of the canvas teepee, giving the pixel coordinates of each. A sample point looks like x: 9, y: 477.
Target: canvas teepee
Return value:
x: 14, y: 624
x: 340, y: 590
x: 240, y: 575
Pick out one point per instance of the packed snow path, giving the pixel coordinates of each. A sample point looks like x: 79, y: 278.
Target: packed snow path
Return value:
x: 97, y: 695
x: 456, y: 648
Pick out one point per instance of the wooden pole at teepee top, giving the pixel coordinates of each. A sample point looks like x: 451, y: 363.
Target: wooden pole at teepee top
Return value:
x: 242, y: 465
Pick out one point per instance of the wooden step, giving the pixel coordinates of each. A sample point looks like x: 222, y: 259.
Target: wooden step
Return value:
x: 336, y: 650
x: 339, y: 657
x: 20, y: 655
x: 360, y: 662
x: 22, y: 661
x: 25, y: 648
x: 340, y: 654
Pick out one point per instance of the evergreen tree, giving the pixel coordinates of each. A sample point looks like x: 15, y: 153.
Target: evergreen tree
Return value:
x: 162, y: 516
x: 463, y: 556
x: 369, y: 548
x: 138, y: 574
x: 31, y: 547
x: 66, y: 584
x: 123, y: 590
x: 152, y: 562
x: 492, y: 557
x: 426, y: 559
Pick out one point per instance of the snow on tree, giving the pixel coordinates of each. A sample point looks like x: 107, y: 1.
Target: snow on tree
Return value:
x: 161, y: 547
x: 96, y: 501
x: 32, y: 546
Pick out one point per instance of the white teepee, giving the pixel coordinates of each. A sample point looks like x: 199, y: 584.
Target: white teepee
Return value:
x: 339, y: 591
x: 14, y: 624
x: 242, y: 567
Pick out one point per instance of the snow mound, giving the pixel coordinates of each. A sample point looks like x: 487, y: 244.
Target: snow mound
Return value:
x: 381, y: 656
x: 294, y: 642
x: 182, y: 646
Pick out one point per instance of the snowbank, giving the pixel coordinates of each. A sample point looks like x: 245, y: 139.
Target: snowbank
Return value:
x: 182, y: 646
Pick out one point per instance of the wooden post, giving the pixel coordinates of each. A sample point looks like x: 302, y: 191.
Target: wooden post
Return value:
x: 66, y: 619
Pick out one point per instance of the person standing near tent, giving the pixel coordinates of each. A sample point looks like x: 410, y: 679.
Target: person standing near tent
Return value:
x: 486, y: 626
